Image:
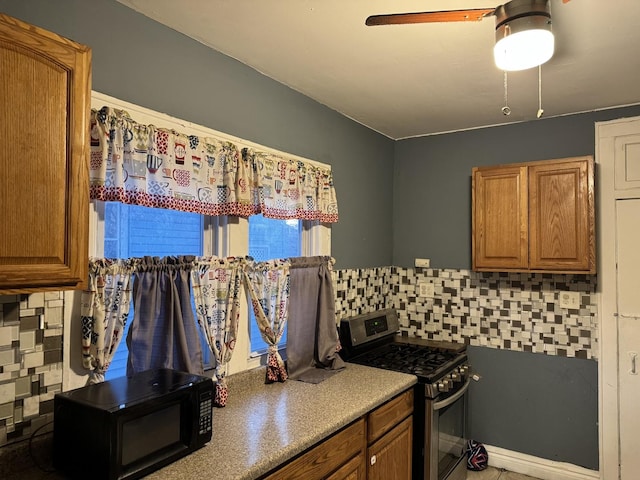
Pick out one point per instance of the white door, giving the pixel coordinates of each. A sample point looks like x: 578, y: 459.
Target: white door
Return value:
x: 618, y: 173
x: 628, y: 292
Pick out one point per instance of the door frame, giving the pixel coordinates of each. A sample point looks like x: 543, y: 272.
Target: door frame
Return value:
x: 608, y: 407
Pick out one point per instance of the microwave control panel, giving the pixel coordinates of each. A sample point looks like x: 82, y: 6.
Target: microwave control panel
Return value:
x: 206, y: 412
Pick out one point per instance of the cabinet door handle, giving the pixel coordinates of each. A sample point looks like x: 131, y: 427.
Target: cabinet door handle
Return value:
x: 373, y: 460
x: 633, y: 356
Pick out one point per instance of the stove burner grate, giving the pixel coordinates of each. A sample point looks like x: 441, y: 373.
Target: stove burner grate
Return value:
x: 418, y: 360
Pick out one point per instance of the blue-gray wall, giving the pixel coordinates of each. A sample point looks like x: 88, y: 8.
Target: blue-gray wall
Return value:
x: 432, y: 179
x: 140, y: 61
x: 542, y: 405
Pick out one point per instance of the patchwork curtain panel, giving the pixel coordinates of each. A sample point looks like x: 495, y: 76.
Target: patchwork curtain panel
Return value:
x: 164, y: 332
x: 144, y: 165
x: 267, y: 284
x: 104, y: 312
x: 216, y: 291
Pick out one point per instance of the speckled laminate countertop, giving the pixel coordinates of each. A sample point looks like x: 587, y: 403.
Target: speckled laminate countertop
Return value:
x: 263, y: 426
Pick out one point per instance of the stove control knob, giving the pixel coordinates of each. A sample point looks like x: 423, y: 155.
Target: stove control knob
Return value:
x: 442, y: 387
x: 455, y: 377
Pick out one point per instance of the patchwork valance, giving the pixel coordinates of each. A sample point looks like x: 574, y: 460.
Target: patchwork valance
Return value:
x: 145, y: 165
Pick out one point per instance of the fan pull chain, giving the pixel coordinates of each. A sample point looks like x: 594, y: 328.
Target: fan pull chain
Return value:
x: 540, y: 110
x: 506, y: 110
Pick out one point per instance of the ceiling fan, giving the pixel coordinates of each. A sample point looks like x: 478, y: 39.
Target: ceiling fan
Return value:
x: 469, y: 15
x: 523, y: 29
x: 523, y: 34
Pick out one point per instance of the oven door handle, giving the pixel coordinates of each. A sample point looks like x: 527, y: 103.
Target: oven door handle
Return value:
x: 448, y: 401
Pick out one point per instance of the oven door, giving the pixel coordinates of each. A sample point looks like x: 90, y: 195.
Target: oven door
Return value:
x: 446, y: 436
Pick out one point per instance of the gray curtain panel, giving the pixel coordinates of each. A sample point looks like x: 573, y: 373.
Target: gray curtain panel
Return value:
x: 312, y: 337
x: 164, y: 332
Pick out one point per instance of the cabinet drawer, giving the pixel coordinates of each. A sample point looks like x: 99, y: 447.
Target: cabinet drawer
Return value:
x: 384, y: 418
x: 355, y: 469
x: 326, y: 457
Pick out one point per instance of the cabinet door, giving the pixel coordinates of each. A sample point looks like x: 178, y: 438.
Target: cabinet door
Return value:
x: 561, y: 216
x: 499, y: 230
x: 44, y: 187
x: 628, y: 264
x: 627, y: 162
x: 390, y: 457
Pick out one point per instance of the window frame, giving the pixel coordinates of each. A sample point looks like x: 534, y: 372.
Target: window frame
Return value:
x: 223, y: 236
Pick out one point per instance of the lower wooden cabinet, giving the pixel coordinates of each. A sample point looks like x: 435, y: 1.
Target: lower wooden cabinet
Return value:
x: 389, y: 439
x: 378, y: 446
x: 329, y: 459
x: 390, y: 457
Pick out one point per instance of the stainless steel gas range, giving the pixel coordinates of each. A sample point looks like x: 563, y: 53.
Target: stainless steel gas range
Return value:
x: 440, y: 395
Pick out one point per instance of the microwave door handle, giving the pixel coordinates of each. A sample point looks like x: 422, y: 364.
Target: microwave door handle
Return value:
x: 448, y: 401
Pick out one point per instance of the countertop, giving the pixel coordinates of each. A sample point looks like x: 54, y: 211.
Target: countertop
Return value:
x: 263, y: 426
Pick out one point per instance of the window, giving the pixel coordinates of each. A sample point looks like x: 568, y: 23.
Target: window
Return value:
x: 137, y: 231
x: 134, y: 231
x: 119, y: 230
x: 270, y: 238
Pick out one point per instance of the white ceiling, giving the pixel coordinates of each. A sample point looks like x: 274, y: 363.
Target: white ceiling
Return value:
x: 411, y: 80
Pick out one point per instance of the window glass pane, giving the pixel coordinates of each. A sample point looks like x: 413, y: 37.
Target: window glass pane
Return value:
x: 136, y: 231
x: 268, y: 239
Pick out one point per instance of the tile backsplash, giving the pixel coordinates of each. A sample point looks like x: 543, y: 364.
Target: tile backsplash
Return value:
x: 511, y: 311
x: 30, y: 362
x: 496, y: 310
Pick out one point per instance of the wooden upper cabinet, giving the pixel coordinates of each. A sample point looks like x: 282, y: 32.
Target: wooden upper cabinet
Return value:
x: 536, y: 216
x: 561, y: 216
x: 500, y: 232
x: 44, y: 184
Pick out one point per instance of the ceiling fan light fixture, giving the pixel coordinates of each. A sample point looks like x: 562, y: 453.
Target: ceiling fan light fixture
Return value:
x: 523, y: 35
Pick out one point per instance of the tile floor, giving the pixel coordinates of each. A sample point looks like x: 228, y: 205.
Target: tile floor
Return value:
x: 492, y: 473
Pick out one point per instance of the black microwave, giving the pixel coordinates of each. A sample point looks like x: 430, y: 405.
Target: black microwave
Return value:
x: 128, y: 427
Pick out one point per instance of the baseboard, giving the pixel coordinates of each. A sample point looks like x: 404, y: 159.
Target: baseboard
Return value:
x: 537, y: 467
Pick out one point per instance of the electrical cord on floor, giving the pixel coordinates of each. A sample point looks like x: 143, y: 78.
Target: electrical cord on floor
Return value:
x: 31, y: 452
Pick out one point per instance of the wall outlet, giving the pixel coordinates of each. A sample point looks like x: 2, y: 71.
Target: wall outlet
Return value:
x: 423, y: 262
x: 425, y: 289
x: 570, y: 300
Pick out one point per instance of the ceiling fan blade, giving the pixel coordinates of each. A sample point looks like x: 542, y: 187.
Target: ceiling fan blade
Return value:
x: 472, y: 15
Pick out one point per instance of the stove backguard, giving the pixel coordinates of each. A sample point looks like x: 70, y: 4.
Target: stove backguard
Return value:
x: 363, y: 331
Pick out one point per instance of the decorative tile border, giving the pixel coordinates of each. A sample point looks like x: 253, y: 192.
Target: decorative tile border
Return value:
x: 511, y: 311
x: 30, y: 362
x: 361, y: 290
